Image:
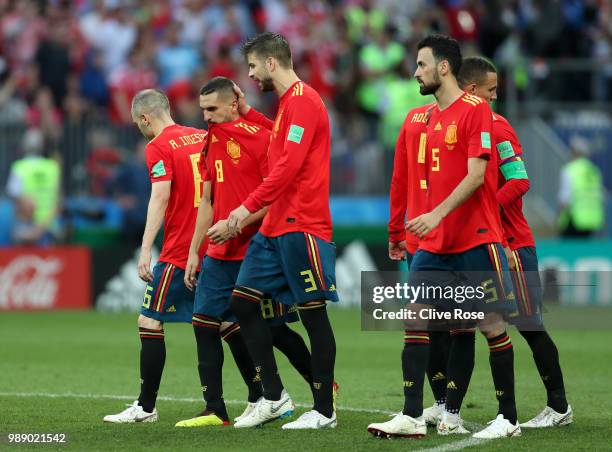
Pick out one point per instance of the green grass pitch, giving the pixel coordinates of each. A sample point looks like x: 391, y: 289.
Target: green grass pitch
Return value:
x: 62, y: 372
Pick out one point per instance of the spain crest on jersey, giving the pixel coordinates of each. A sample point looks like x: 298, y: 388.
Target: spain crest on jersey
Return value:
x: 451, y: 134
x: 233, y: 150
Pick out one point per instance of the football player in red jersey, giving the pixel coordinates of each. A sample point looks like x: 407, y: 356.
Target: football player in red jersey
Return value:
x: 234, y: 161
x: 407, y: 200
x: 459, y: 240
x: 478, y: 76
x: 292, y: 256
x: 172, y: 156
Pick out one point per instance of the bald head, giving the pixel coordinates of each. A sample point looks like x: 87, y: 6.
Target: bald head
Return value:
x: 150, y: 102
x: 151, y: 112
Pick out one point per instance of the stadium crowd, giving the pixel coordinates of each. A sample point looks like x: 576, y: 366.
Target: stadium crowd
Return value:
x: 70, y: 68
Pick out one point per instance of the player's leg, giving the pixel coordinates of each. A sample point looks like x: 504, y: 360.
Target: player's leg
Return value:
x: 308, y: 265
x: 292, y: 345
x: 501, y: 352
x: 215, y: 283
x: 232, y: 335
x: 157, y: 308
x: 459, y: 372
x: 439, y: 347
x: 415, y: 354
x: 545, y: 354
x: 260, y: 272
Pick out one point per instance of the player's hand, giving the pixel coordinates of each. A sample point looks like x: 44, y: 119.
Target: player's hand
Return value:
x: 421, y: 225
x: 243, y: 106
x: 236, y: 217
x: 397, y: 251
x: 220, y: 233
x: 191, y: 270
x: 511, y: 264
x: 144, y: 265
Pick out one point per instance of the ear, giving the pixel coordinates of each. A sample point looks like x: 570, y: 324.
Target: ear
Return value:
x: 270, y: 64
x: 443, y: 67
x: 470, y: 88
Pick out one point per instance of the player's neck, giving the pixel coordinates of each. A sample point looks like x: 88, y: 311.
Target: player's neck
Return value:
x: 284, y: 81
x: 160, y: 124
x: 447, y: 94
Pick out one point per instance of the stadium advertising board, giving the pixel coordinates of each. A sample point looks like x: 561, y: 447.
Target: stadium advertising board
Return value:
x: 45, y: 279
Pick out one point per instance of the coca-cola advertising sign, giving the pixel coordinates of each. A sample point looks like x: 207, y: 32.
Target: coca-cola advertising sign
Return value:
x: 43, y: 279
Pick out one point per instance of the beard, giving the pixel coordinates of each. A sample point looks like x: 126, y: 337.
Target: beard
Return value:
x: 425, y: 90
x: 267, y: 84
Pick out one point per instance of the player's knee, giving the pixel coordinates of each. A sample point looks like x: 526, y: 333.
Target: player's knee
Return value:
x: 149, y: 323
x: 225, y: 325
x: 492, y: 325
x: 313, y: 304
x: 245, y: 302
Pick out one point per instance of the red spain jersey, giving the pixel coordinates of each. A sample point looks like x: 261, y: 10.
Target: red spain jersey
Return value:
x: 235, y: 162
x: 455, y: 134
x: 516, y: 230
x: 173, y: 155
x: 297, y: 187
x: 408, y: 184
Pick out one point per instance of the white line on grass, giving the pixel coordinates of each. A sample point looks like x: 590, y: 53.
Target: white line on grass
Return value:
x: 165, y: 398
x: 457, y: 445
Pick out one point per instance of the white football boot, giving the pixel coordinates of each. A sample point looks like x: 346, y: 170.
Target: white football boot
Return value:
x: 248, y: 410
x: 268, y: 410
x: 312, y: 420
x: 500, y: 427
x: 433, y: 414
x: 133, y: 413
x: 550, y: 418
x: 451, y: 424
x: 400, y: 426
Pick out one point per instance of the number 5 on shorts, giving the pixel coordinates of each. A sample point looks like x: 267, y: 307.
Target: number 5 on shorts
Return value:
x: 146, y: 302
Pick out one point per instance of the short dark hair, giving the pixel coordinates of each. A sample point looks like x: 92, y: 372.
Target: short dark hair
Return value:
x: 474, y: 70
x: 222, y: 85
x: 269, y: 44
x: 443, y: 48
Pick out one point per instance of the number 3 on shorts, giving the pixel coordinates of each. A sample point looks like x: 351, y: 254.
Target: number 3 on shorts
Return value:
x: 146, y: 302
x: 309, y: 279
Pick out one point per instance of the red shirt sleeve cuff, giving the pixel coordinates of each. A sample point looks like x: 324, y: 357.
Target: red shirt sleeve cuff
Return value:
x: 251, y: 205
x: 396, y: 237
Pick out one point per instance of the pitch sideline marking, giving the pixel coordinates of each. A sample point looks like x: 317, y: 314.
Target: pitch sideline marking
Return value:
x: 165, y: 398
x: 457, y: 445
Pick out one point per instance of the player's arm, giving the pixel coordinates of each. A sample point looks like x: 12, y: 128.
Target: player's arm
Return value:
x: 298, y: 141
x: 204, y: 220
x: 160, y: 195
x: 422, y: 224
x: 478, y: 133
x: 249, y: 113
x: 511, y: 166
x: 398, y: 199
x: 220, y: 232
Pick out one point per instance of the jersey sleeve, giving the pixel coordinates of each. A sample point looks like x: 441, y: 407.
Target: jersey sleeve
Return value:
x: 261, y: 151
x: 508, y: 148
x: 159, y: 163
x: 398, y: 197
x: 259, y: 118
x: 301, y: 117
x: 479, y: 131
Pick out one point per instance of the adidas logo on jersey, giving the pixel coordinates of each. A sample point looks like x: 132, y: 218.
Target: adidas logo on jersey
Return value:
x: 438, y: 126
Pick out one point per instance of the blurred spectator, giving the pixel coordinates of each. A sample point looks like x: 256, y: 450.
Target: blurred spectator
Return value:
x: 34, y: 185
x: 127, y: 79
x: 44, y: 115
x: 111, y: 29
x: 176, y: 61
x: 93, y: 81
x: 53, y: 55
x: 130, y: 187
x: 377, y: 61
x: 581, y: 198
x: 12, y: 109
x: 102, y: 161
